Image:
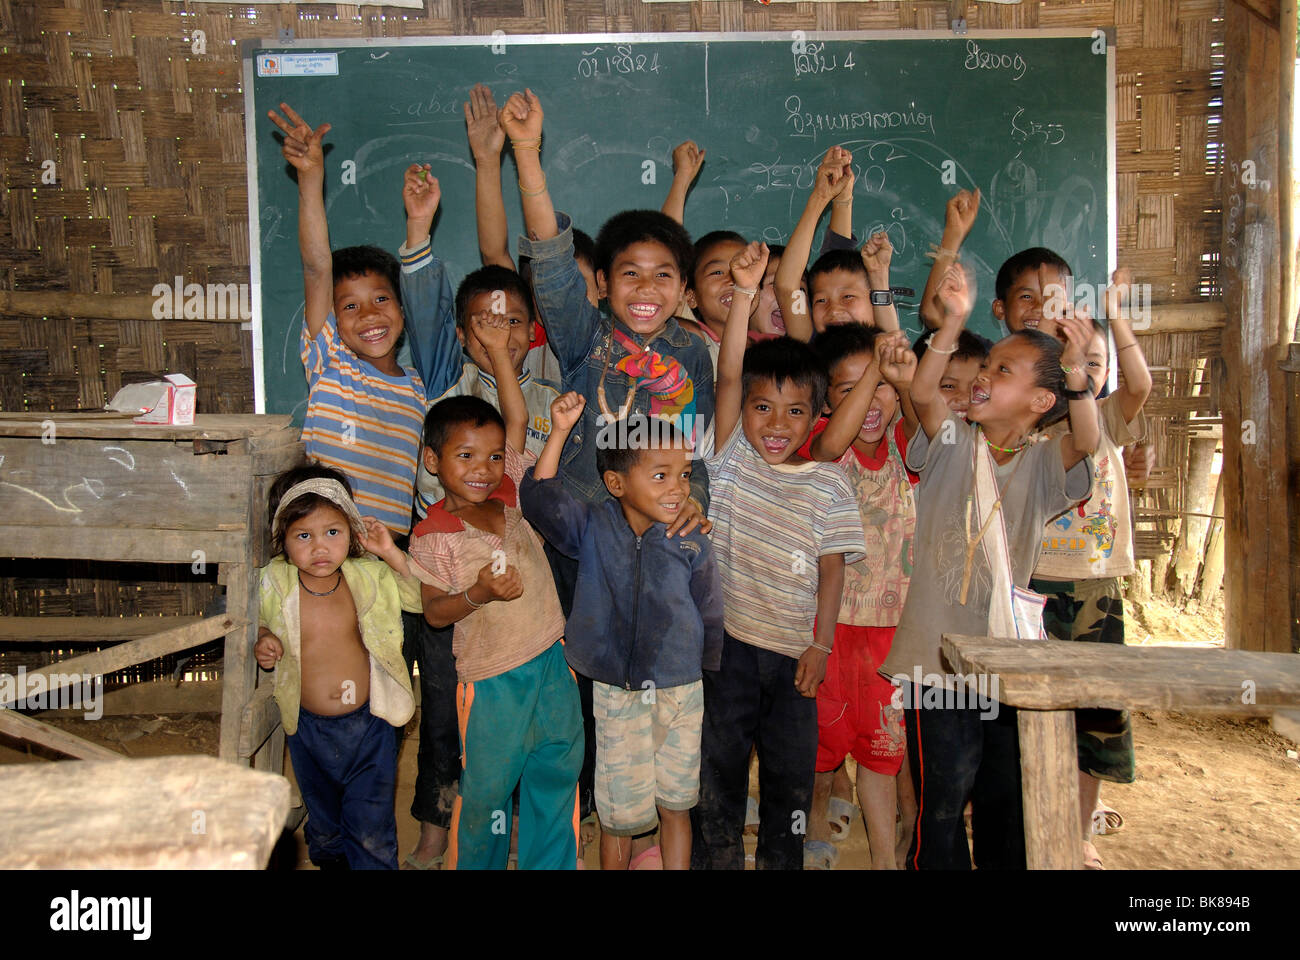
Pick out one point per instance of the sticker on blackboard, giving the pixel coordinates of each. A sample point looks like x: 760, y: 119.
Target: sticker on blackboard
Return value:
x: 297, y: 64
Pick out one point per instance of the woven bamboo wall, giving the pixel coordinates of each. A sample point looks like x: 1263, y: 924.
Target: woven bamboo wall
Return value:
x: 148, y: 142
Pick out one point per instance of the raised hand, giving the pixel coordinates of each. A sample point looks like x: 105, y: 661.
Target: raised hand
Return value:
x: 687, y: 160
x: 378, y: 539
x: 302, y: 145
x: 420, y: 192
x: 1075, y: 328
x: 831, y: 173
x: 961, y: 210
x: 749, y: 265
x: 566, y: 410
x: 895, y: 358
x: 1117, y: 294
x: 876, y: 254
x: 486, y: 138
x: 492, y: 330
x: 956, y: 295
x: 521, y: 117
x: 508, y: 586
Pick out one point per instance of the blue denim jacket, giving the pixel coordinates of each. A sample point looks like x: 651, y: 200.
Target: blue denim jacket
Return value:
x: 646, y: 610
x: 579, y: 334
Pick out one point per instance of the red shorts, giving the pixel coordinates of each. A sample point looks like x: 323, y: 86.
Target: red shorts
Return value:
x: 854, y: 714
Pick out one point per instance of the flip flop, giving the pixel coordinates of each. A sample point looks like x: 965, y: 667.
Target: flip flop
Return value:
x: 820, y: 855
x: 1091, y: 859
x: 840, y: 813
x: 413, y: 863
x: 651, y: 859
x: 1114, y: 819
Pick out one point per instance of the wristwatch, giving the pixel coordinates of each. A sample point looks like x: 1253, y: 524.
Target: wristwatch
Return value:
x: 882, y: 298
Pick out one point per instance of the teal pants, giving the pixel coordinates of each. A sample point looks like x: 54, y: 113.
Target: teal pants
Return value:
x: 524, y: 728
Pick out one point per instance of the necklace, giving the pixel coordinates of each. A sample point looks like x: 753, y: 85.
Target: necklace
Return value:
x: 1006, y: 449
x: 327, y: 592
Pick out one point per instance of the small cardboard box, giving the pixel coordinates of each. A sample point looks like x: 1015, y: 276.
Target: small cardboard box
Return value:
x: 169, y: 400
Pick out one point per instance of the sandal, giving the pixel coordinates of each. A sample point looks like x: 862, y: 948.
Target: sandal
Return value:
x: 1114, y: 819
x: 1091, y: 859
x: 414, y: 863
x: 650, y: 859
x: 840, y: 814
x: 820, y: 855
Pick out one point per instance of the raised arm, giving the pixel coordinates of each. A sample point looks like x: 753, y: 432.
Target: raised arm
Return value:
x: 302, y: 149
x: 842, y: 203
x: 959, y: 217
x: 846, y: 422
x: 747, y: 272
x: 1133, y: 392
x: 493, y: 331
x: 1085, y: 430
x: 566, y: 411
x: 957, y: 298
x: 897, y: 362
x: 798, y: 323
x: 687, y: 160
x: 876, y: 254
x: 486, y: 138
x: 521, y: 119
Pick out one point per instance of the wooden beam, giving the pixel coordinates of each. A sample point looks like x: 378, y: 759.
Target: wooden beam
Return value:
x: 84, y: 629
x: 25, y: 728
x: 260, y: 717
x: 119, y: 543
x: 239, y: 669
x: 1185, y: 318
x: 101, y: 662
x: 1257, y: 524
x: 120, y: 426
x: 1290, y: 25
x: 95, y: 306
x: 1049, y: 783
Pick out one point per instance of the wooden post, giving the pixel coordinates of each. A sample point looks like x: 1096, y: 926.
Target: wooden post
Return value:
x: 1049, y: 775
x: 240, y: 669
x: 1198, y: 499
x: 1286, y: 172
x: 1212, y: 572
x: 1257, y: 561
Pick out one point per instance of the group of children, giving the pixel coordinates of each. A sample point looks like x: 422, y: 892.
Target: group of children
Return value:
x: 629, y: 550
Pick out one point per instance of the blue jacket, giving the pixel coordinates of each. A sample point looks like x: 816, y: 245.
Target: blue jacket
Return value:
x: 579, y: 333
x: 646, y: 610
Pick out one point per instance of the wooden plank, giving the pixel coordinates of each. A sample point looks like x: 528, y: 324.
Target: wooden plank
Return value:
x: 115, y: 543
x: 240, y: 669
x: 154, y: 696
x: 233, y: 426
x: 25, y: 728
x: 1049, y: 781
x: 275, y: 461
x: 260, y: 717
x: 101, y: 662
x: 64, y: 303
x: 121, y: 483
x: 1058, y: 675
x: 159, y: 813
x: 84, y: 629
x: 1290, y: 26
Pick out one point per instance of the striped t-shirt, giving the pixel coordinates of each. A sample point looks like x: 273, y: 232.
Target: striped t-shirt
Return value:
x: 364, y: 423
x: 770, y: 524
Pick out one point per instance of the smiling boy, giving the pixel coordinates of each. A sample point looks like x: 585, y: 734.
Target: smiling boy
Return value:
x: 364, y: 410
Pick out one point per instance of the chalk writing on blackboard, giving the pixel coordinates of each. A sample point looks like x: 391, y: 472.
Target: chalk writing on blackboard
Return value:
x: 814, y: 59
x: 809, y: 125
x: 598, y: 62
x: 1023, y: 130
x: 977, y: 59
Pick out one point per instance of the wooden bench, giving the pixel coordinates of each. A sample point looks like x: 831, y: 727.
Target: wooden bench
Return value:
x: 160, y: 813
x: 1048, y: 679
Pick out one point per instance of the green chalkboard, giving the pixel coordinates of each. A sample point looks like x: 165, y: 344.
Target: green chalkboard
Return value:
x: 1024, y: 117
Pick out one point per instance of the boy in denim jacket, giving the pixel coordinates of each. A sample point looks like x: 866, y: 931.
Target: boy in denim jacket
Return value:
x: 646, y: 620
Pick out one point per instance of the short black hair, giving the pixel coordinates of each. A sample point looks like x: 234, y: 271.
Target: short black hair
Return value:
x: 620, y: 443
x: 1047, y: 371
x: 355, y: 261
x: 969, y: 346
x: 584, y: 248
x: 785, y: 360
x: 849, y: 260
x: 840, y: 340
x: 644, y: 226
x: 486, y: 280
x: 300, y: 507
x: 1030, y: 259
x: 446, y: 415
x: 711, y: 239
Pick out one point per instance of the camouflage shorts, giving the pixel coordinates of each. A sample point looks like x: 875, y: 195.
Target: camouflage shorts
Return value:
x: 1093, y: 611
x: 647, y: 753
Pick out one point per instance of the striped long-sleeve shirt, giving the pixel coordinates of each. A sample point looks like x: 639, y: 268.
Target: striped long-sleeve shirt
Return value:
x: 364, y: 423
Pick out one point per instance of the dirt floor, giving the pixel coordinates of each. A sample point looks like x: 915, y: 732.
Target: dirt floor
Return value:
x: 1211, y: 792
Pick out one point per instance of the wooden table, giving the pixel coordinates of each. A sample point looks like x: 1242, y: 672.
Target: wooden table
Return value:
x: 1048, y: 679
x: 100, y: 487
x: 160, y: 813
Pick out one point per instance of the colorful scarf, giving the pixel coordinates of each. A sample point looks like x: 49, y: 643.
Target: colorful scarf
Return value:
x: 672, y: 393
